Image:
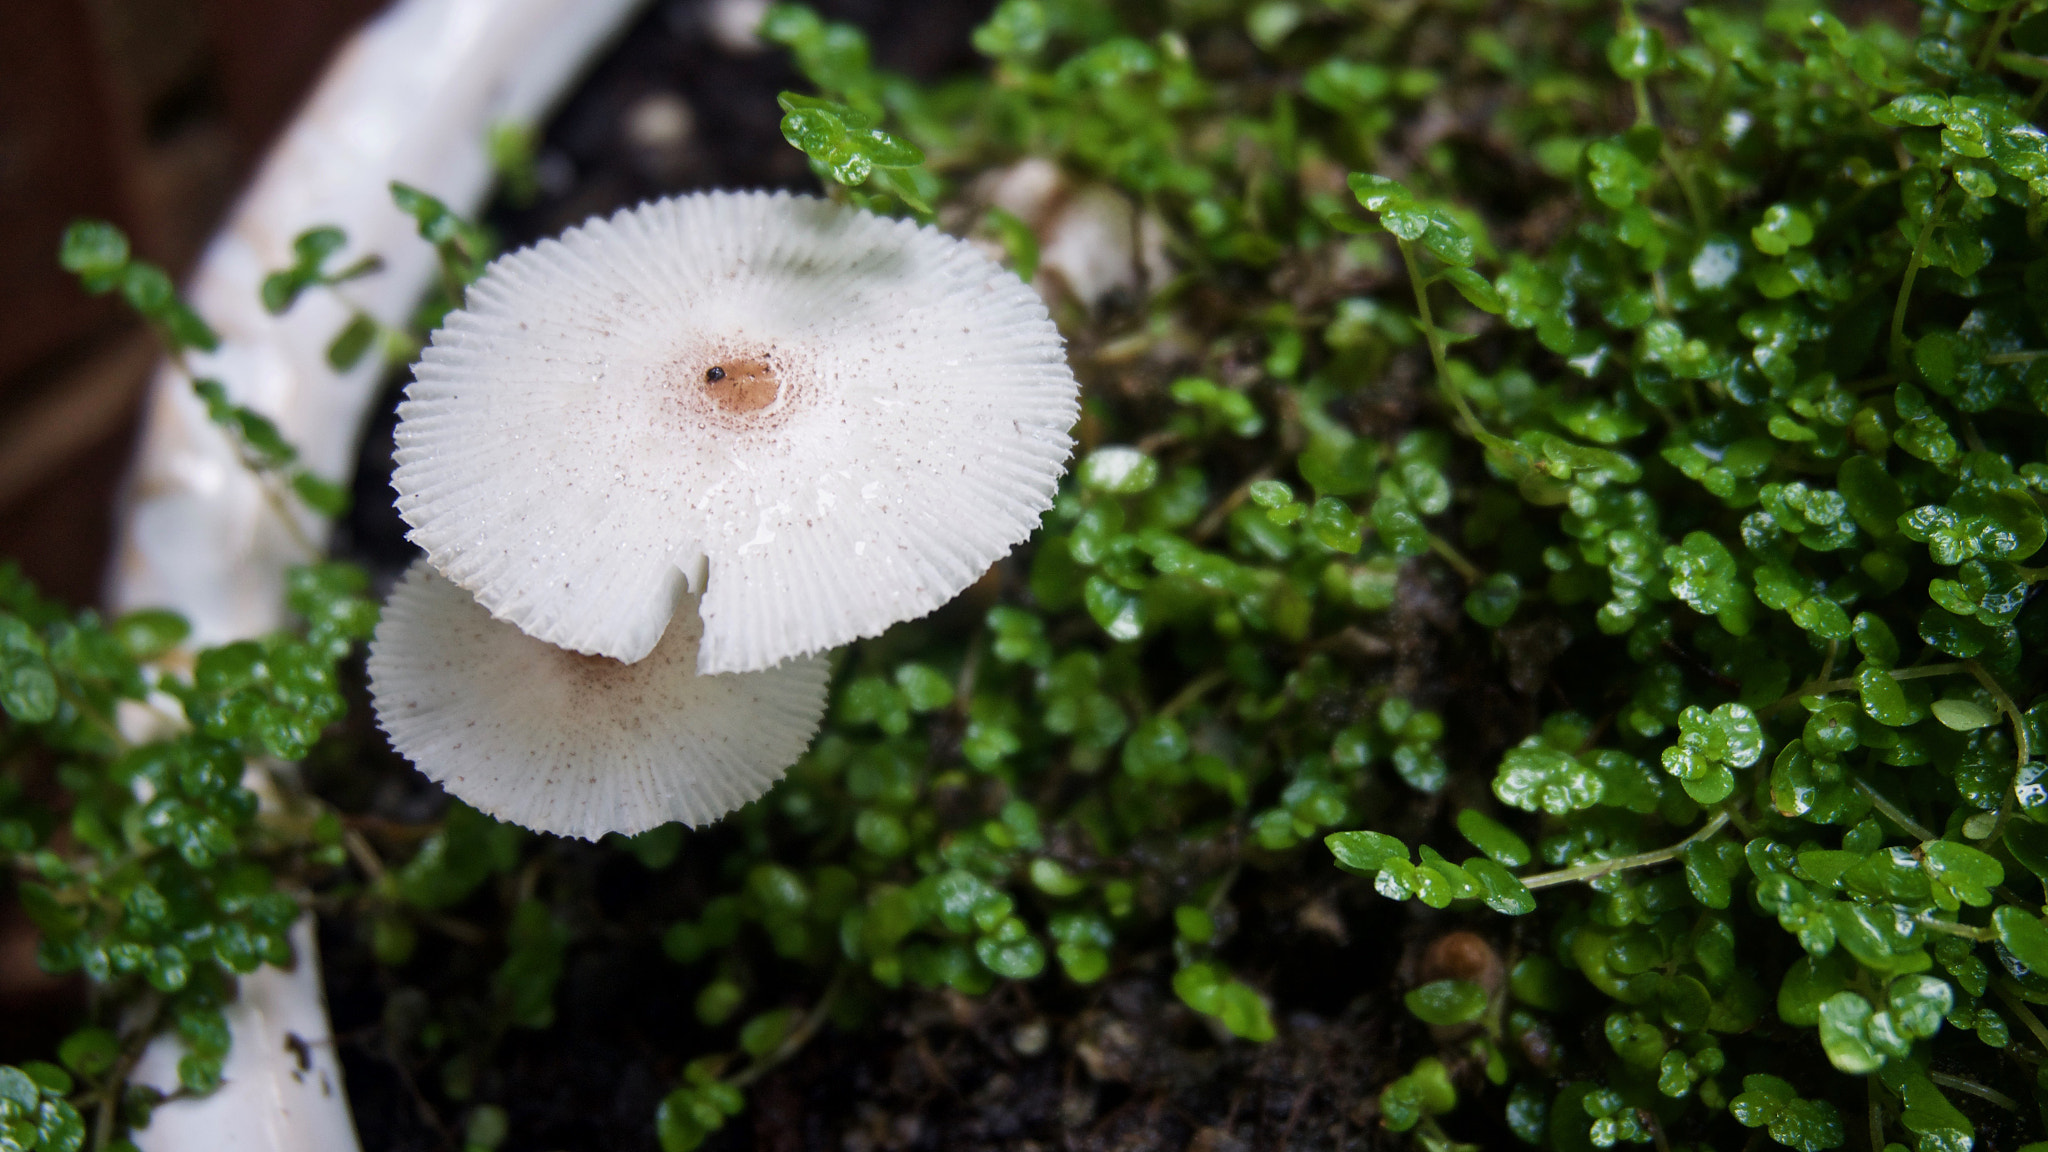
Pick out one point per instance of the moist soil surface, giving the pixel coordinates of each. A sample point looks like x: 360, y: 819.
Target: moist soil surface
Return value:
x: 1121, y: 1064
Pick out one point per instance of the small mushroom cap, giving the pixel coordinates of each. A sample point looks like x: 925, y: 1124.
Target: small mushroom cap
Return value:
x: 573, y: 744
x: 825, y: 421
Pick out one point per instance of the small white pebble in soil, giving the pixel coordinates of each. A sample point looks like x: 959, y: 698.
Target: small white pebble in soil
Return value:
x: 733, y: 24
x: 659, y: 122
x: 1077, y: 1106
x: 1031, y: 1037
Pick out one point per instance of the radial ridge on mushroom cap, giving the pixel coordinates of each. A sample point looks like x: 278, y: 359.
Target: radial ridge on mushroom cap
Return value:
x: 836, y: 419
x: 574, y: 744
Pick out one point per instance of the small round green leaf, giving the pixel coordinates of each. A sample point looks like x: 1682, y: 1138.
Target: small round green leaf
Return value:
x: 1447, y: 1002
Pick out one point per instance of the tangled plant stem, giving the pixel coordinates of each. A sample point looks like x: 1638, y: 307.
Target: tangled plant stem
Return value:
x: 1897, y: 816
x: 1850, y: 683
x: 1913, y: 262
x: 1582, y: 873
x: 797, y: 1038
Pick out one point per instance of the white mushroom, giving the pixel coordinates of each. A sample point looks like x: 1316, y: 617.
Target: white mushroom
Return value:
x: 1092, y: 241
x: 574, y: 744
x: 824, y: 421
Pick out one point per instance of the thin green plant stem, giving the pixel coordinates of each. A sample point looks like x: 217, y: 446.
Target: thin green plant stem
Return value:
x: 1951, y: 928
x: 1638, y: 87
x: 1898, y: 342
x: 1466, y: 416
x: 1681, y: 173
x: 95, y: 717
x: 970, y: 666
x: 1980, y: 1091
x: 1455, y: 559
x: 797, y: 1038
x: 1893, y: 812
x: 1223, y: 886
x: 1436, y: 343
x: 1646, y: 117
x: 2020, y: 1008
x: 1824, y: 687
x: 1216, y: 516
x: 107, y: 1100
x: 1594, y: 871
x: 1658, y: 1139
x: 266, y: 478
x: 1998, y: 27
x: 2021, y: 744
x: 2023, y: 750
x: 1195, y: 690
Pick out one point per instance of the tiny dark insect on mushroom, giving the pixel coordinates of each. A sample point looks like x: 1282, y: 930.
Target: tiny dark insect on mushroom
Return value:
x: 744, y: 385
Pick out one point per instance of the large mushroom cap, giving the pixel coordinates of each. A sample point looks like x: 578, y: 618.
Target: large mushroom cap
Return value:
x: 574, y: 744
x: 824, y: 420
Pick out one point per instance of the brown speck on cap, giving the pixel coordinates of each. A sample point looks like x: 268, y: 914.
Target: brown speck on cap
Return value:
x: 738, y: 386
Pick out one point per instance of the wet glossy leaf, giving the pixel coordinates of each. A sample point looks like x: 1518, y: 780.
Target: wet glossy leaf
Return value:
x: 2024, y: 935
x: 1119, y: 470
x: 1476, y: 289
x: 1769, y: 1102
x: 1961, y: 873
x: 1636, y: 52
x: 95, y: 251
x: 1963, y: 715
x: 1365, y: 851
x: 1704, y: 575
x: 1536, y: 777
x: 352, y: 342
x: 1493, y: 838
x: 1844, y: 1034
x: 1119, y: 611
x: 1782, y: 229
x: 1377, y: 193
x: 1492, y: 601
x: 1447, y: 1002
x: 1335, y: 525
x: 1885, y: 700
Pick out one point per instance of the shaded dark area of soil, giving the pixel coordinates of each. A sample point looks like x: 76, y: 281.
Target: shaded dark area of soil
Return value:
x: 1120, y: 1065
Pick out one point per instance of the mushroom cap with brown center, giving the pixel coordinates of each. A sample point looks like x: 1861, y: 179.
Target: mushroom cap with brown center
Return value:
x: 823, y: 420
x: 574, y: 744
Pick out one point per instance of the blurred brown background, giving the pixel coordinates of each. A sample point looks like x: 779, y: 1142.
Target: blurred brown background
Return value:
x: 149, y: 113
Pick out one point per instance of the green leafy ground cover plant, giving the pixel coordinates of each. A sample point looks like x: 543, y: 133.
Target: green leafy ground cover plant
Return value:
x: 1584, y: 479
